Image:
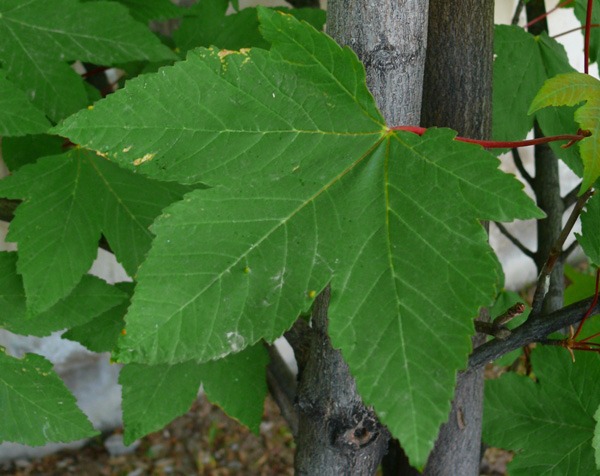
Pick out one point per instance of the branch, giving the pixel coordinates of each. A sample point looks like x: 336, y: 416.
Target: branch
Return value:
x: 282, y: 386
x: 571, y: 197
x: 567, y: 252
x: 515, y: 241
x: 518, y: 10
x: 520, y: 167
x: 555, y: 253
x: 533, y: 330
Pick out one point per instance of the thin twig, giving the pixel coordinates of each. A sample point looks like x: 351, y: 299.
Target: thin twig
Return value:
x: 515, y: 241
x: 518, y: 10
x: 520, y: 167
x: 579, y: 28
x: 544, y: 15
x: 555, y: 253
x: 567, y: 252
x: 533, y: 330
x: 571, y: 197
x: 282, y: 386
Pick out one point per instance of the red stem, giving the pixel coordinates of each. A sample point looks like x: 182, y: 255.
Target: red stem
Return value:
x: 588, y: 29
x: 491, y: 144
x: 589, y: 311
x: 544, y: 15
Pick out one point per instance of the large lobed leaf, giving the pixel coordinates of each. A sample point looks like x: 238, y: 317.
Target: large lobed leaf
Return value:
x: 39, y: 38
x: 549, y: 424
x: 70, y: 200
x: 36, y: 406
x: 309, y: 187
x: 523, y: 62
x: 569, y: 90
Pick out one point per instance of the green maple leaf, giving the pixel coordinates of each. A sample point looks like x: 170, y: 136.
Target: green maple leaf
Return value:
x: 40, y: 38
x: 589, y: 239
x: 207, y: 24
x: 549, y: 424
x: 310, y: 187
x: 36, y: 406
x: 569, y: 90
x: 88, y: 196
x: 153, y: 395
x: 146, y: 10
x: 523, y: 62
x: 18, y: 116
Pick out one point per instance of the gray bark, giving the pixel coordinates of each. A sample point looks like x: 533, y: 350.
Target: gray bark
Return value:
x: 546, y: 186
x: 458, y: 94
x: 390, y: 38
x: 337, y: 433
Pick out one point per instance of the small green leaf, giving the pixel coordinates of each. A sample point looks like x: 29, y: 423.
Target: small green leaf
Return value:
x: 549, y: 424
x: 101, y: 333
x: 146, y: 10
x: 40, y: 38
x: 155, y: 395
x: 90, y: 298
x: 569, y: 90
x: 18, y: 116
x: 589, y: 239
x: 504, y: 301
x: 210, y: 26
x: 36, y: 406
x: 238, y: 384
x: 59, y: 224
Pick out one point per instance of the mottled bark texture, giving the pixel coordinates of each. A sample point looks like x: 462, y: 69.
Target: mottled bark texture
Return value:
x: 337, y: 433
x: 458, y: 94
x: 390, y: 38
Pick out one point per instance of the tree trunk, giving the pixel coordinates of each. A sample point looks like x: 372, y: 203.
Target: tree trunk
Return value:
x: 337, y: 434
x: 458, y: 94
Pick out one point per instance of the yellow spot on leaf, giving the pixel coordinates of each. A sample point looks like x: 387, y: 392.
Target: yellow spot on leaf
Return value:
x: 101, y: 154
x: 247, y: 270
x: 90, y: 108
x: 223, y: 53
x: 124, y: 332
x: 141, y: 160
x: 312, y: 294
x: 126, y: 149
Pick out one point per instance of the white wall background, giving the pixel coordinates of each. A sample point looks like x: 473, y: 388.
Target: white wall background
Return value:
x: 94, y: 381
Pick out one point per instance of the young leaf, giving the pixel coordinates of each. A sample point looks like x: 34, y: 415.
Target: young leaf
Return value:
x: 58, y: 226
x: 40, y: 37
x: 589, y: 239
x: 155, y: 395
x: 18, y: 116
x: 36, y: 406
x: 522, y: 65
x: 302, y: 159
x: 550, y: 424
x: 569, y: 90
x: 90, y: 298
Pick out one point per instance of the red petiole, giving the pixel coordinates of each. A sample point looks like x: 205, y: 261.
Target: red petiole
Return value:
x: 541, y: 17
x: 491, y: 144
